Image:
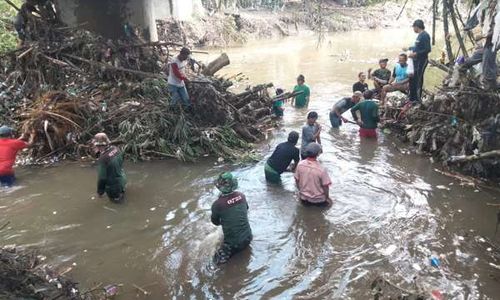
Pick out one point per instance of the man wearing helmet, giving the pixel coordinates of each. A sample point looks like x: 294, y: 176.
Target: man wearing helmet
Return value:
x: 230, y: 211
x: 111, y: 177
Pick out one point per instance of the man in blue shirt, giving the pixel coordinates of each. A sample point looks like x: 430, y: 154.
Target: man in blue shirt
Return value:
x: 399, y: 80
x: 282, y: 157
x: 419, y: 54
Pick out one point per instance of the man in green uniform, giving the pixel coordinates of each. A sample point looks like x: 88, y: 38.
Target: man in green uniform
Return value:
x: 380, y: 76
x: 302, y: 100
x: 230, y: 211
x: 111, y: 178
x: 365, y: 113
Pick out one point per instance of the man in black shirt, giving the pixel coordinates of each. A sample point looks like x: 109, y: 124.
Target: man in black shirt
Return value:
x: 361, y: 85
x: 419, y: 54
x: 341, y: 107
x: 282, y: 157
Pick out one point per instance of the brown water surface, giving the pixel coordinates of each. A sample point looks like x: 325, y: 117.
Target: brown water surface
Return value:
x: 392, y: 211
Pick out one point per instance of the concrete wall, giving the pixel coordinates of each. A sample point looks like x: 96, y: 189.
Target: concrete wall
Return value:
x: 108, y: 16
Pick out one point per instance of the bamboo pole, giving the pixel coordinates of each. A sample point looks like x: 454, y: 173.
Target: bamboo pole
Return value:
x: 434, y: 13
x: 449, y: 50
x: 13, y: 5
x: 449, y: 4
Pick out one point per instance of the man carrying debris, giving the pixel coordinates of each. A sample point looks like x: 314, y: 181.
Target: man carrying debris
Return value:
x: 177, y: 78
x: 230, y: 211
x: 312, y: 179
x: 9, y: 147
x: 419, y: 54
x: 282, y: 157
x: 301, y: 100
x: 341, y: 107
x: 310, y: 132
x: 365, y: 113
x: 399, y: 80
x: 111, y: 177
x: 380, y: 76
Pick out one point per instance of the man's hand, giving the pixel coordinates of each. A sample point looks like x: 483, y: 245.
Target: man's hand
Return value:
x: 412, y: 55
x: 344, y: 120
x: 187, y: 81
x: 359, y: 122
x: 369, y: 71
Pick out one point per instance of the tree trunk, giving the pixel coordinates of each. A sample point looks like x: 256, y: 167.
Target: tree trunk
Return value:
x: 216, y: 65
x: 434, y: 14
x: 449, y: 50
x: 449, y: 4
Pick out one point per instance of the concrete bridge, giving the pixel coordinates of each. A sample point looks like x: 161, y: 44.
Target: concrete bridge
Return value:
x: 107, y: 17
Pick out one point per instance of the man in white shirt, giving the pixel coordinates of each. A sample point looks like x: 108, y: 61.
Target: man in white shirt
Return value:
x: 177, y: 78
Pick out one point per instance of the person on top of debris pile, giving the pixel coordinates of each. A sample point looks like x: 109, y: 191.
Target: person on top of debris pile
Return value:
x: 21, y: 21
x: 419, y: 54
x: 301, y: 100
x: 312, y: 179
x: 281, y: 158
x: 278, y: 103
x: 111, y: 177
x: 365, y: 113
x: 380, y: 76
x: 9, y: 147
x: 400, y: 78
x: 177, y: 78
x: 231, y: 211
x: 361, y: 85
x: 341, y: 107
x: 311, y: 132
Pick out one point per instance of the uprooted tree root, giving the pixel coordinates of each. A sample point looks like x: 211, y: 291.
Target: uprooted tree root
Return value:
x: 68, y: 84
x: 459, y: 127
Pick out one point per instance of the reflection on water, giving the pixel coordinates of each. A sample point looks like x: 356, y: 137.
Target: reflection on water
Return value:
x: 388, y: 216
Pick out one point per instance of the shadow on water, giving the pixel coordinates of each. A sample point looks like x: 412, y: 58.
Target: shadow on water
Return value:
x: 391, y: 212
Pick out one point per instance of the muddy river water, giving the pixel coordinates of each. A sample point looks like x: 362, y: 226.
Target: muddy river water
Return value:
x: 392, y: 211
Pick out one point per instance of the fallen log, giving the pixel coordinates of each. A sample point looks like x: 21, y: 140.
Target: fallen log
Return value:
x: 216, y: 65
x: 474, y: 157
x: 439, y: 65
x: 287, y: 95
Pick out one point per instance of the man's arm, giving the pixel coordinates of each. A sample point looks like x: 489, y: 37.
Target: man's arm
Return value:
x: 296, y: 160
x: 215, y: 218
x: 101, y: 179
x: 307, y: 95
x: 317, y: 135
x: 177, y: 72
x: 326, y: 182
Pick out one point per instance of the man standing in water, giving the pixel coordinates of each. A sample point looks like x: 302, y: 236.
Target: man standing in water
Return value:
x: 419, y: 54
x: 365, y: 113
x: 312, y: 179
x: 301, y: 100
x: 177, y: 78
x: 310, y: 132
x: 9, y: 147
x: 230, y: 211
x: 282, y: 157
x: 111, y: 177
x: 361, y: 85
x: 341, y: 107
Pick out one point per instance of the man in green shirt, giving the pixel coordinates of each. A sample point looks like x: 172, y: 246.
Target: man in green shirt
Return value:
x: 302, y: 100
x: 230, y: 211
x: 365, y: 113
x: 380, y: 76
x: 111, y: 178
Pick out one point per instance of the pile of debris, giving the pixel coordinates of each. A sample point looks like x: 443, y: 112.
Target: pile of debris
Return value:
x: 68, y: 84
x: 457, y: 126
x: 24, y: 276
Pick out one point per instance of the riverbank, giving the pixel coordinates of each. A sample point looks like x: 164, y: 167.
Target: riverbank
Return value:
x: 236, y: 28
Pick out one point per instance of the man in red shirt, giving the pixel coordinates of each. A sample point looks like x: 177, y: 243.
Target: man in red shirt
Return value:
x: 8, y: 152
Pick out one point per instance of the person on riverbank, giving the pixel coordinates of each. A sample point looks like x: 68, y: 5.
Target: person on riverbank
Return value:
x: 361, y: 85
x: 21, y: 21
x: 400, y: 78
x: 341, y: 107
x: 282, y: 157
x: 110, y: 175
x: 301, y: 100
x: 177, y: 78
x: 311, y: 132
x: 419, y: 54
x: 279, y: 103
x: 312, y: 179
x: 230, y: 211
x: 380, y: 76
x: 365, y: 113
x: 9, y: 147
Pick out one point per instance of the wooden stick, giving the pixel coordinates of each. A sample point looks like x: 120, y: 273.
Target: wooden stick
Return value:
x: 449, y: 3
x: 402, y: 9
x: 25, y: 53
x: 439, y: 65
x: 474, y: 157
x: 449, y: 50
x: 141, y: 289
x: 4, y: 225
x: 13, y: 5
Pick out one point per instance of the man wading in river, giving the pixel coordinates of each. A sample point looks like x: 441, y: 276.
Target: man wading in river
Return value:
x: 312, y: 179
x: 341, y: 107
x: 9, y: 147
x: 282, y: 157
x: 230, y: 211
x: 311, y: 132
x: 177, y: 78
x: 302, y: 100
x: 111, y: 177
x: 365, y: 113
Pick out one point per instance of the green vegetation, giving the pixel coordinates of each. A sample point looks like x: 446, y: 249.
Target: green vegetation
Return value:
x: 8, y: 38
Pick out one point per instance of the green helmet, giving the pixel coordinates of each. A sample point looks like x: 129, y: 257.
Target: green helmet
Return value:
x: 226, y: 183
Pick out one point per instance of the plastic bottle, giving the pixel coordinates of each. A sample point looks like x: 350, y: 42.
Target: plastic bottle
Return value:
x: 435, y: 261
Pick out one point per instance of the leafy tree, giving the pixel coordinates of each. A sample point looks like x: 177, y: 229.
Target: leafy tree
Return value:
x: 8, y: 37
